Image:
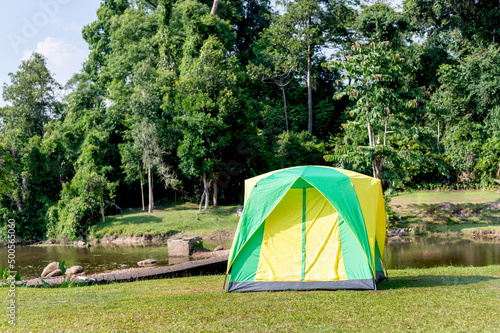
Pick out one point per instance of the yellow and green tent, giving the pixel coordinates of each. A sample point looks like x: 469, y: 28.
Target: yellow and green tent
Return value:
x: 309, y: 227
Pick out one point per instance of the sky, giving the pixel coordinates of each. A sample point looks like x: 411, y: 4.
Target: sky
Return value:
x: 50, y: 27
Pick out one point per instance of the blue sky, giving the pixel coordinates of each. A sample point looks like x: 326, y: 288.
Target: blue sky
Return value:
x: 50, y: 27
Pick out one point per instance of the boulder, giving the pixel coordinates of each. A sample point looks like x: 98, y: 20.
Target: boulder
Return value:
x: 79, y: 243
x: 398, y: 232
x: 182, y: 247
x: 74, y: 270
x: 57, y: 272
x: 239, y: 210
x: 50, y: 268
x: 147, y: 262
x: 219, y: 248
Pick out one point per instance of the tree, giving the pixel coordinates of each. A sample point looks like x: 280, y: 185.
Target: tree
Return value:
x: 379, y: 22
x: 380, y: 84
x: 32, y: 98
x: 305, y: 27
x: 474, y: 19
x: 32, y: 95
x: 275, y: 66
x: 469, y: 100
x: 205, y: 101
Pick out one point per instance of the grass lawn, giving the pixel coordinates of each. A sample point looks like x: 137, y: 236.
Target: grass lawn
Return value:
x: 181, y: 219
x: 429, y: 197
x: 444, y: 299
x: 449, y: 212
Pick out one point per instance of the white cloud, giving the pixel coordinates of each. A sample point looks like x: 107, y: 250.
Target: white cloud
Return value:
x: 63, y: 59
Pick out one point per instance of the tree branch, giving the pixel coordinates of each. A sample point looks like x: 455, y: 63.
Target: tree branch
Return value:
x: 151, y: 3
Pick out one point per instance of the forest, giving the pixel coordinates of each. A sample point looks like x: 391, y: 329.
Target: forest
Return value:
x: 182, y: 100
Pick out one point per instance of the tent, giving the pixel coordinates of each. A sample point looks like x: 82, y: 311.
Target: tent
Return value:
x: 307, y: 228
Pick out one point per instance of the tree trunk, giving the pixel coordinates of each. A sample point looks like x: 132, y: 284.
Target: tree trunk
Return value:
x: 215, y: 193
x: 377, y: 167
x: 309, y: 92
x: 370, y: 134
x: 438, y: 137
x: 385, y: 130
x: 202, y: 198
x: 368, y: 126
x: 102, y: 210
x: 142, y: 193
x: 19, y: 200
x: 150, y: 190
x: 214, y: 7
x: 207, y: 190
x: 284, y: 104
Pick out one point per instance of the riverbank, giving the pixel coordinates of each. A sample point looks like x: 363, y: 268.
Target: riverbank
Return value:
x: 445, y: 299
x: 134, y: 226
x: 473, y: 214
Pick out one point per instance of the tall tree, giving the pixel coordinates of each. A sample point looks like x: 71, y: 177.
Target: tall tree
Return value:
x: 380, y: 84
x: 32, y: 95
x: 474, y: 19
x: 305, y: 27
x: 206, y: 99
x: 32, y: 98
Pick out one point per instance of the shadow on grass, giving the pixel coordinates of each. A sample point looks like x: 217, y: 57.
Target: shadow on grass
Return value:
x: 425, y: 281
x: 128, y: 220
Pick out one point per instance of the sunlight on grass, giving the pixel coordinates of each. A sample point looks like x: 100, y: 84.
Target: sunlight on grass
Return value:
x: 448, y: 299
x: 182, y: 219
x: 427, y: 197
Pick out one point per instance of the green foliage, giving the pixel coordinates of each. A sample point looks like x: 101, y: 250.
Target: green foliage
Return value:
x: 32, y: 171
x: 475, y: 20
x: 293, y: 149
x: 380, y: 84
x: 206, y: 99
x: 172, y: 94
x: 379, y: 22
x: 5, y: 274
x: 89, y: 193
x: 62, y: 267
x: 470, y: 92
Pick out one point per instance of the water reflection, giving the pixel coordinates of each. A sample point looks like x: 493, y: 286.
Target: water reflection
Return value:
x: 432, y: 252
x: 31, y: 260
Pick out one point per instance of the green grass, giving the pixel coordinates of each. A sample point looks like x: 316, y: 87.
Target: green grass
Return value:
x: 447, y: 213
x: 429, y: 197
x: 444, y: 299
x: 181, y: 219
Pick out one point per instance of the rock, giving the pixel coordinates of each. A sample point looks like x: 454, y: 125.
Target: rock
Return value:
x: 398, y: 232
x: 50, y: 268
x: 147, y: 262
x: 202, y: 255
x: 124, y: 266
x: 182, y: 247
x: 79, y: 243
x: 239, y: 210
x: 219, y: 248
x: 74, y: 270
x: 447, y: 206
x: 56, y: 272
